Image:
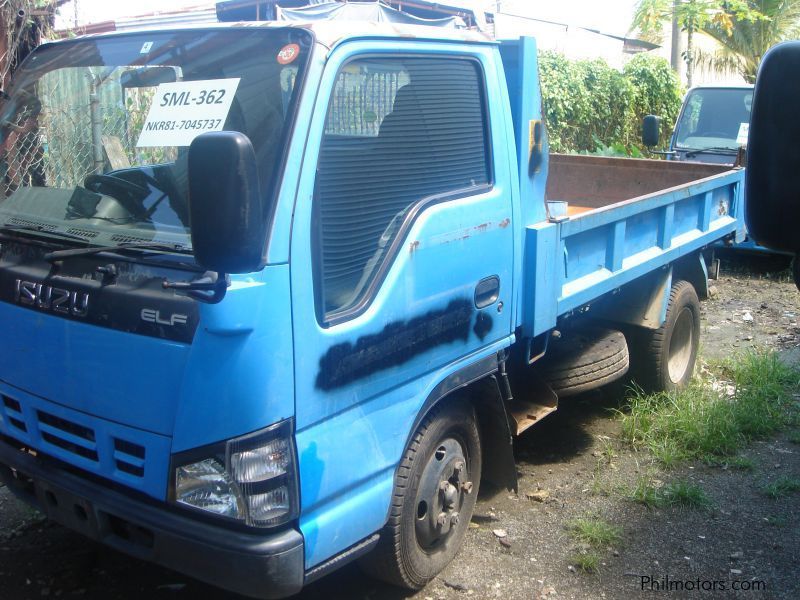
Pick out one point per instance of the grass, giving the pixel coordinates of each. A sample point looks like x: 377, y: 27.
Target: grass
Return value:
x: 645, y: 492
x: 700, y: 423
x: 781, y: 487
x: 588, y: 561
x: 738, y: 463
x: 685, y: 494
x: 592, y: 534
x: 679, y: 493
x: 794, y: 437
x: 607, y: 453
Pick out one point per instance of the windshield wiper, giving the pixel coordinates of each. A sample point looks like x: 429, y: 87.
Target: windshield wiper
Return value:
x: 61, y: 254
x: 41, y: 229
x: 719, y: 149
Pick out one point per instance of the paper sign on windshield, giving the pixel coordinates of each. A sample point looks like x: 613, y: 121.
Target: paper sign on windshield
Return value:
x: 744, y: 130
x: 183, y: 110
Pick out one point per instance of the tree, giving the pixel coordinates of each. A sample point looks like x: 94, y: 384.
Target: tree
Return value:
x: 743, y: 42
x: 22, y: 25
x: 691, y: 16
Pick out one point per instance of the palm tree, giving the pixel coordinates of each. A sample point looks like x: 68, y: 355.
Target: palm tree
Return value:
x: 743, y: 42
x: 693, y: 16
x: 689, y: 15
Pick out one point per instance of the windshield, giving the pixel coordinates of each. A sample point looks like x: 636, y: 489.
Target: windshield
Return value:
x: 95, y: 135
x: 715, y: 118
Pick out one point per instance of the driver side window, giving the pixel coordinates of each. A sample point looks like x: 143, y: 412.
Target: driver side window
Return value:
x: 399, y: 132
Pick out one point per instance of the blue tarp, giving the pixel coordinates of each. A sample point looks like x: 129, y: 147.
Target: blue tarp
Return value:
x: 361, y: 11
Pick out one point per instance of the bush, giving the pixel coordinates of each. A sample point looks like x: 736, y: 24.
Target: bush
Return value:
x: 591, y: 107
x: 658, y: 91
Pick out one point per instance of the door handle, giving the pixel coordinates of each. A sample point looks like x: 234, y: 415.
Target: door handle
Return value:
x: 487, y: 291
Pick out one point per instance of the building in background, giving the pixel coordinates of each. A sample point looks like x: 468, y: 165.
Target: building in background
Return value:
x: 573, y: 41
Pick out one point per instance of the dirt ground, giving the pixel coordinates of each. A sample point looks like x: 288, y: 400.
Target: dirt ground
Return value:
x: 745, y: 540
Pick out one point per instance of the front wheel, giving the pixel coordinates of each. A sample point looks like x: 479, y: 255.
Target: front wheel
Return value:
x: 434, y: 496
x: 664, y: 358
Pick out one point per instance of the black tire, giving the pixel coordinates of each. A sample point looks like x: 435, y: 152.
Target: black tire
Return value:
x: 796, y: 270
x: 580, y: 362
x: 409, y: 554
x: 664, y: 358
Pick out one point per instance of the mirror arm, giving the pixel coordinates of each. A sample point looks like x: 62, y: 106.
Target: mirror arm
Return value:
x: 209, y: 288
x: 662, y: 152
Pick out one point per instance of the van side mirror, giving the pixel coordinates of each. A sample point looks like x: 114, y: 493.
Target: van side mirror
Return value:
x: 651, y: 125
x: 228, y: 216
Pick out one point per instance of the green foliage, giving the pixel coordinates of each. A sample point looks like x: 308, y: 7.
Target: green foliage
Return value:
x: 782, y: 487
x: 684, y: 494
x: 657, y: 91
x: 679, y: 493
x: 744, y: 29
x: 704, y: 423
x: 594, y: 532
x: 743, y: 39
x: 592, y: 108
x: 587, y: 561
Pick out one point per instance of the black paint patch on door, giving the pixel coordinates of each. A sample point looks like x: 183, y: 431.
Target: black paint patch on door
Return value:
x: 483, y: 325
x: 396, y: 344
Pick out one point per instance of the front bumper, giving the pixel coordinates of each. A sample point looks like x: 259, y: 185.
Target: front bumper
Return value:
x: 261, y: 566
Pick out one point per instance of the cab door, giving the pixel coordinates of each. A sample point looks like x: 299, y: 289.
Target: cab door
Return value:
x: 401, y: 263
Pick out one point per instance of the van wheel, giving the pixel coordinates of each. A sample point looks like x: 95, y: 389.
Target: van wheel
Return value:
x: 664, y: 358
x: 434, y: 496
x: 796, y: 270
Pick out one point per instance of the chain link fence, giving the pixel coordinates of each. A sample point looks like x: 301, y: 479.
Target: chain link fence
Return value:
x: 76, y: 123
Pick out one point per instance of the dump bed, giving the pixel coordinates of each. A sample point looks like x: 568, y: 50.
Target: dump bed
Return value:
x: 625, y: 218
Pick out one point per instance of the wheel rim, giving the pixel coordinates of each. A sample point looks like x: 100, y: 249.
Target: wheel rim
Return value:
x: 440, y: 495
x: 680, y: 345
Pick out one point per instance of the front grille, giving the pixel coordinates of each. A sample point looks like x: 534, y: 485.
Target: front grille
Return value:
x: 76, y: 439
x: 129, y: 457
x: 13, y: 412
x: 67, y: 435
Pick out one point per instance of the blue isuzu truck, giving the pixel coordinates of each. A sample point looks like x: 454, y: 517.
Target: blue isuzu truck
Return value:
x: 274, y: 298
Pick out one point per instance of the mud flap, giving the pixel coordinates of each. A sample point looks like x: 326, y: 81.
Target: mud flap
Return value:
x: 499, y: 467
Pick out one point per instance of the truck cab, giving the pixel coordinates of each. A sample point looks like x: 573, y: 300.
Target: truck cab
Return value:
x: 712, y: 124
x: 267, y: 291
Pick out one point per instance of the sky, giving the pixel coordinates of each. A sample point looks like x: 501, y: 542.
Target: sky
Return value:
x: 611, y: 16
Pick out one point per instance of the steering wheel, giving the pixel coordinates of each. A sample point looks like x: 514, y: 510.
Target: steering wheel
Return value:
x: 130, y: 194
x: 721, y: 134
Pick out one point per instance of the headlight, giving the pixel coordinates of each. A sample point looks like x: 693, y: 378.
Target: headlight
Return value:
x: 251, y: 479
x: 208, y: 486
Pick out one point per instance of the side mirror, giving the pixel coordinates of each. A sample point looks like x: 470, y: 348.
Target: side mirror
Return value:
x: 772, y: 183
x: 650, y: 130
x: 228, y: 216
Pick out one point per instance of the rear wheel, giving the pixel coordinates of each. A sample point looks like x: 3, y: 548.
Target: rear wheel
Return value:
x: 664, y: 358
x: 434, y: 496
x: 796, y: 270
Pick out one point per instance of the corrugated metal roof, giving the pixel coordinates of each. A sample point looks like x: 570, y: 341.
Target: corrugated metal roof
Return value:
x: 165, y: 19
